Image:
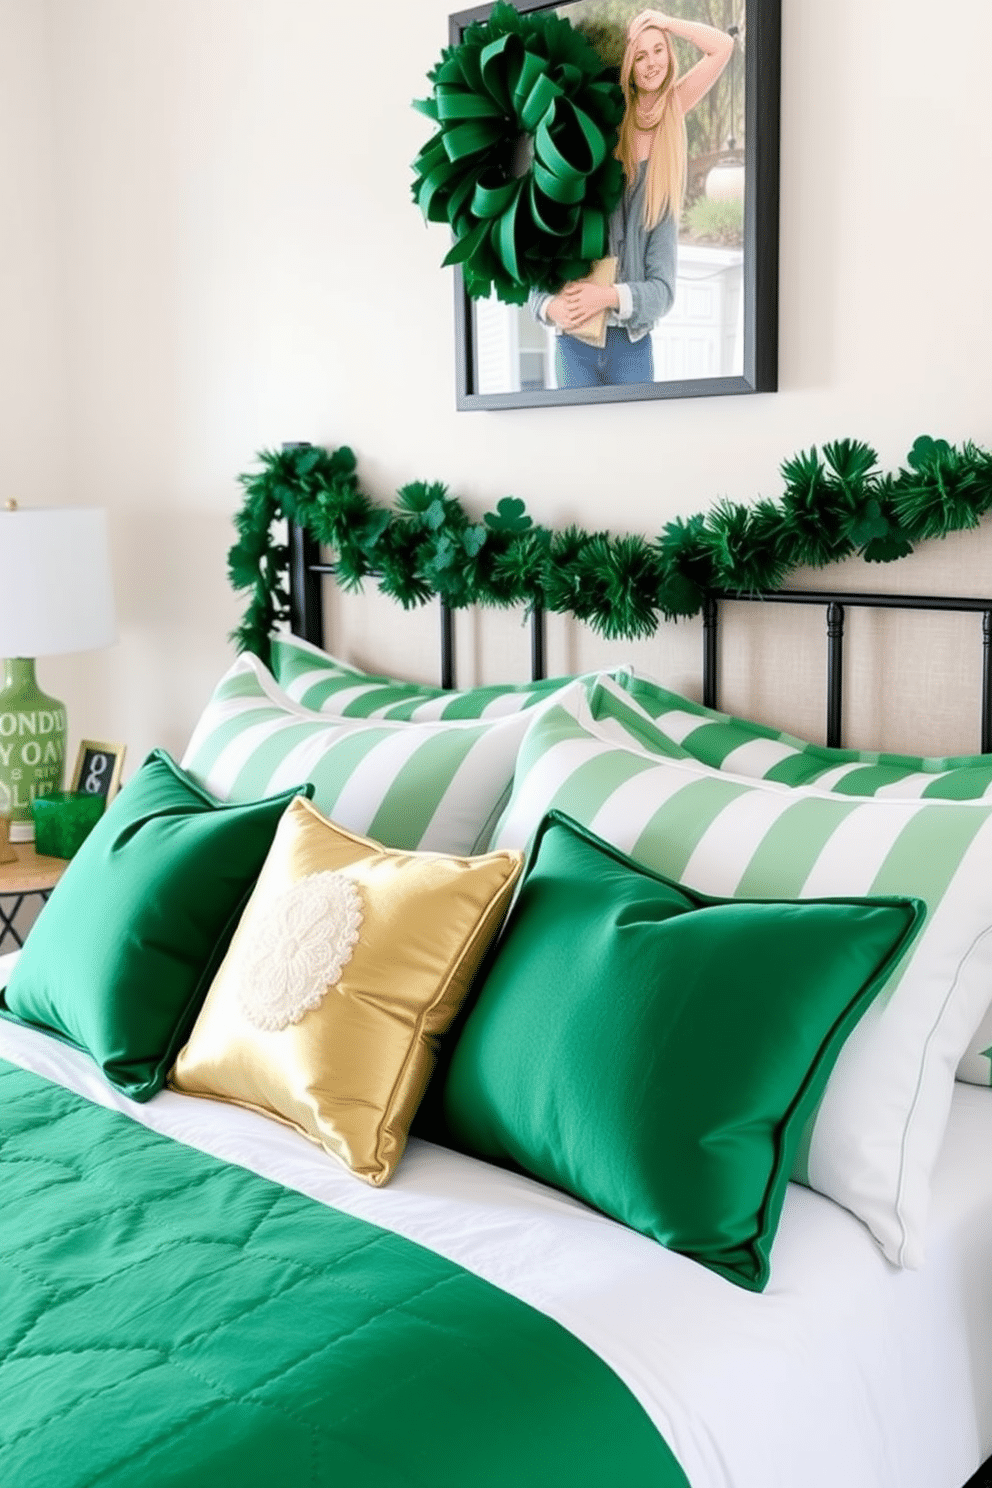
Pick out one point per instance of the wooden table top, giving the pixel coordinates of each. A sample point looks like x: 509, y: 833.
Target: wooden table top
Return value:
x: 29, y: 873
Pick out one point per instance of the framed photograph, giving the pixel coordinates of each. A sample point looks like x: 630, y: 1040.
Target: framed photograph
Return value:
x: 705, y: 311
x: 98, y: 768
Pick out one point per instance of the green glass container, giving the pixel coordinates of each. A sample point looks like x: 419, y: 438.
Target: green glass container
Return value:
x: 63, y: 821
x: 32, y: 745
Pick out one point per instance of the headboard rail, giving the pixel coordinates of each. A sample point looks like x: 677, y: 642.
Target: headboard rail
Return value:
x: 305, y: 603
x: 836, y: 603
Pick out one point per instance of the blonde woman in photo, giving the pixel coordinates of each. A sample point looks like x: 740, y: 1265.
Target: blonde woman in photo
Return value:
x: 644, y: 226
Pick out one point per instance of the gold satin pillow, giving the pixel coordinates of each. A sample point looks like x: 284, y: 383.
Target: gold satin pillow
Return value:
x: 349, y: 962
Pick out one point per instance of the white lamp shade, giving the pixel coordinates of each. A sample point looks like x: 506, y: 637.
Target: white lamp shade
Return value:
x: 56, y: 593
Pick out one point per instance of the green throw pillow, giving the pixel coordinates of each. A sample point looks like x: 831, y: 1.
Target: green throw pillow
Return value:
x: 656, y: 1052
x: 877, y: 1132
x: 125, y: 950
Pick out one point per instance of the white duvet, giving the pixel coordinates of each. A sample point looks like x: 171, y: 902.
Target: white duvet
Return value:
x: 844, y: 1373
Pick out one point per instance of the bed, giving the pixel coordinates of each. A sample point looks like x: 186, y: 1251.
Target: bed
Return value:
x: 198, y: 1286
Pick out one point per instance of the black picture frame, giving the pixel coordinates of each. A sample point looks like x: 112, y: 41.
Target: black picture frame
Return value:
x: 760, y: 243
x: 97, y: 771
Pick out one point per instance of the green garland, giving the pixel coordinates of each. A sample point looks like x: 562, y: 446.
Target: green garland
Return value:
x: 517, y: 87
x: 834, y: 504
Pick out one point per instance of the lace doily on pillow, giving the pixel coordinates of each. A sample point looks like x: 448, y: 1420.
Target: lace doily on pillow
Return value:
x: 294, y: 951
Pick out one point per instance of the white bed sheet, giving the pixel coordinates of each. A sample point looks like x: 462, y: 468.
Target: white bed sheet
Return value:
x: 844, y: 1371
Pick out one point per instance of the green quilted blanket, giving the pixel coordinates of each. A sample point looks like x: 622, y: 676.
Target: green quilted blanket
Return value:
x: 169, y: 1319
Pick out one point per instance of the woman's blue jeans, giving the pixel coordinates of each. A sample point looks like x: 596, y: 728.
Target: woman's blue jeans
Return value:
x: 621, y: 360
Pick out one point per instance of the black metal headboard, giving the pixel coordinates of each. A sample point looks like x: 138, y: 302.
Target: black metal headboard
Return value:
x: 305, y: 570
x: 836, y: 603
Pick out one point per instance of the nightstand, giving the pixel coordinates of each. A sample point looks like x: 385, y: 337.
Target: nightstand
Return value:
x: 28, y: 874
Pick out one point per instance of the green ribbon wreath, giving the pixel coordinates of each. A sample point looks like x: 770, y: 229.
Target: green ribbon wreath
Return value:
x: 522, y: 166
x: 833, y: 506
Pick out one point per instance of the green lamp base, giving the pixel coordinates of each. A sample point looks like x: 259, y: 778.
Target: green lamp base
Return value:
x: 32, y: 745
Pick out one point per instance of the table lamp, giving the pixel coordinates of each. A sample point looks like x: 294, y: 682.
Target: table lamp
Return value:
x: 56, y: 596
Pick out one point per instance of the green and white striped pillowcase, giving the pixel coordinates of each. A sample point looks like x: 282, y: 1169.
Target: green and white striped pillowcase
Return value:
x: 964, y: 780
x: 877, y: 1132
x: 321, y: 682
x: 734, y: 744
x: 432, y: 786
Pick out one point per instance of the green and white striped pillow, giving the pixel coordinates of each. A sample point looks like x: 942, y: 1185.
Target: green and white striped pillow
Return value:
x: 876, y: 1134
x: 671, y: 725
x: 316, y: 680
x: 729, y: 743
x: 429, y: 786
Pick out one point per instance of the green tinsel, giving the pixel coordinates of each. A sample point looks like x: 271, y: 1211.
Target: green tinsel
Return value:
x: 835, y: 502
x: 944, y: 490
x: 522, y: 166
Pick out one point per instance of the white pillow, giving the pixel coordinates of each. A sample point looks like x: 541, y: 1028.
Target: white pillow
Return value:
x: 976, y: 1062
x: 873, y: 1142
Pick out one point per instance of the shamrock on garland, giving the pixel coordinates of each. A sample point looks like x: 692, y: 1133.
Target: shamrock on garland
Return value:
x: 510, y: 517
x: 875, y: 534
x: 474, y: 540
x: 522, y: 166
x: 927, y: 454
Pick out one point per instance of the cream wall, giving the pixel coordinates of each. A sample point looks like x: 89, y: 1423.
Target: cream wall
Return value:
x: 31, y: 371
x: 213, y: 249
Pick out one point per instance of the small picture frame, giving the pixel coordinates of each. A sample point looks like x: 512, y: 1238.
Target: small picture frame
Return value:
x: 98, y: 768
